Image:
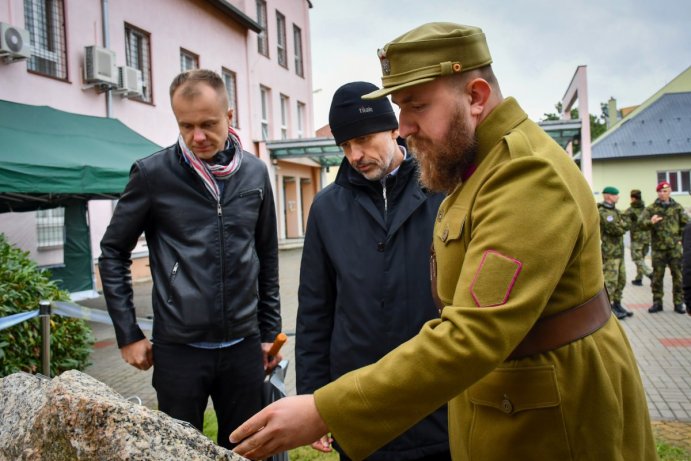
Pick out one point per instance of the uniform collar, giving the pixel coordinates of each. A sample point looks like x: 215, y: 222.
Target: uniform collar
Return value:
x: 503, y: 118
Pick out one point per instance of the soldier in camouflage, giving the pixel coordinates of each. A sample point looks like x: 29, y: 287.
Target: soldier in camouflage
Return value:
x: 666, y: 220
x: 640, y: 238
x: 613, y: 226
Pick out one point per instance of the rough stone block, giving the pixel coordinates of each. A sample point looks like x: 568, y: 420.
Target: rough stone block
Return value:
x: 76, y: 417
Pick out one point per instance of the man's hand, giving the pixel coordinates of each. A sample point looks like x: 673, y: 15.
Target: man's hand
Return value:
x: 138, y: 354
x: 285, y: 424
x: 655, y: 219
x: 270, y: 361
x: 323, y: 444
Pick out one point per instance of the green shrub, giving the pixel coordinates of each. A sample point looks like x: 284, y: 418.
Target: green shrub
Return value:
x: 22, y: 285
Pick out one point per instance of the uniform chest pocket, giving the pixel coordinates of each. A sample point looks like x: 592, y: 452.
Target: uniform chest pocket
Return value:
x: 450, y: 227
x: 515, y: 404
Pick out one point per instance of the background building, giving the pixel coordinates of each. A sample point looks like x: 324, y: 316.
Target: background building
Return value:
x: 116, y: 59
x: 651, y: 143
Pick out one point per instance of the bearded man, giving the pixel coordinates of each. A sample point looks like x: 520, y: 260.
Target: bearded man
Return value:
x: 526, y: 351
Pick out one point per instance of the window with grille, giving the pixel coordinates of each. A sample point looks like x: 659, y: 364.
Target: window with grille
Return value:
x: 265, y: 95
x: 263, y: 36
x: 50, y: 228
x: 680, y: 180
x: 138, y: 55
x: 230, y: 80
x: 297, y: 38
x: 285, y: 107
x: 281, y: 39
x: 301, y: 119
x: 188, y: 60
x: 45, y: 21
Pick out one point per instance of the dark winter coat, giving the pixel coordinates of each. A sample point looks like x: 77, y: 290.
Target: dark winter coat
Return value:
x: 365, y: 286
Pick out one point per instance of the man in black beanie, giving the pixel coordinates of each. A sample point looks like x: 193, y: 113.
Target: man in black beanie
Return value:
x: 364, y: 277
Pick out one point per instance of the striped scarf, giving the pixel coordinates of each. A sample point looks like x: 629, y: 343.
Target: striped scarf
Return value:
x: 209, y: 173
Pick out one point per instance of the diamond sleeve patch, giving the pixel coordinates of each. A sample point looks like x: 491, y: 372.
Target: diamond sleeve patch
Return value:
x: 494, y: 279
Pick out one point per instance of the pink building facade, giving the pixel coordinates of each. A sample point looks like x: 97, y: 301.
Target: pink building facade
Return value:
x: 261, y: 47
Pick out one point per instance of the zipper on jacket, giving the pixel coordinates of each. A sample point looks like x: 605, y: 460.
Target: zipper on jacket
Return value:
x: 173, y: 273
x: 386, y: 202
x: 223, y: 275
x: 252, y: 191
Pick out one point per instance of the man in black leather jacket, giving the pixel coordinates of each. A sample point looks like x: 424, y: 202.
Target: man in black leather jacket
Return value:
x: 364, y: 278
x: 206, y: 208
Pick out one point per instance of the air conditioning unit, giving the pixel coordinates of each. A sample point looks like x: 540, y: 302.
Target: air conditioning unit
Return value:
x: 129, y: 82
x: 99, y: 66
x: 15, y: 43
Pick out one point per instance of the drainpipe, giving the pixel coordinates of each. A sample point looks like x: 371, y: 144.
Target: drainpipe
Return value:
x: 106, y: 44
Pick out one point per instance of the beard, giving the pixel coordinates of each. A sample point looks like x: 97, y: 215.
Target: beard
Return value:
x: 443, y: 163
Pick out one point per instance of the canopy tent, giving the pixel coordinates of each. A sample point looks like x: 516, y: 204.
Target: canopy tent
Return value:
x: 48, y: 156
x: 51, y: 158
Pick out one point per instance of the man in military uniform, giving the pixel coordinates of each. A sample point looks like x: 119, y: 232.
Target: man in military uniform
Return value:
x: 640, y: 238
x: 613, y: 226
x: 665, y: 219
x: 526, y: 350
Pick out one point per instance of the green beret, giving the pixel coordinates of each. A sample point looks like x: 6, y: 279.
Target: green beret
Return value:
x: 428, y: 52
x: 610, y: 190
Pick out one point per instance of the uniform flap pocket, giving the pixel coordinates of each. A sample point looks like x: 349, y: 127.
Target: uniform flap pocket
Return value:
x: 510, y: 390
x: 451, y: 225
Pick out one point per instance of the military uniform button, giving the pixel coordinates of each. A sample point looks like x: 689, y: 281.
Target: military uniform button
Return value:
x: 506, y: 406
x: 380, y: 246
x: 445, y: 235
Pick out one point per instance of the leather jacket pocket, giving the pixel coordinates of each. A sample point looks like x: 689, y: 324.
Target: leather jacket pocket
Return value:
x: 171, y: 280
x: 517, y: 414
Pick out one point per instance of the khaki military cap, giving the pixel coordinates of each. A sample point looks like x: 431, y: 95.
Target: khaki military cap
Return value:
x: 430, y: 51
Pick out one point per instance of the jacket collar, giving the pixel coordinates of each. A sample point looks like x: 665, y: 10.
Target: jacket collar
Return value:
x: 503, y: 118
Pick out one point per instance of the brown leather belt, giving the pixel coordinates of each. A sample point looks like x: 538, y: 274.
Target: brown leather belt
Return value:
x: 551, y: 332
x: 565, y: 327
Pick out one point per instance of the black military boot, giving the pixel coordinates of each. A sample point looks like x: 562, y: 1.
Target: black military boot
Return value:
x: 679, y: 308
x: 618, y: 310
x: 638, y: 283
x: 656, y: 307
x: 624, y: 310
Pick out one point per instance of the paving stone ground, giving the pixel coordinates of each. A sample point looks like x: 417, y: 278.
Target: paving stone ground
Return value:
x: 661, y: 342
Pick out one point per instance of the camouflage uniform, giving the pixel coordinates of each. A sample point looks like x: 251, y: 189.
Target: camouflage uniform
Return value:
x: 613, y: 226
x: 640, y: 240
x: 665, y: 239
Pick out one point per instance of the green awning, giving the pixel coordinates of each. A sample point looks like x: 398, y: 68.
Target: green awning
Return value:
x: 47, y: 155
x: 323, y: 151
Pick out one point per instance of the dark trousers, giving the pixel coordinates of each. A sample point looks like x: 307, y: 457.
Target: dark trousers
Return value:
x: 185, y: 377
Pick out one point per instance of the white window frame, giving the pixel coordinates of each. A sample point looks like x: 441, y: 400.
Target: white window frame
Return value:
x: 680, y: 180
x: 263, y: 36
x: 299, y: 60
x: 46, y: 27
x: 52, y: 221
x: 188, y: 60
x: 301, y: 108
x: 138, y: 42
x: 265, y: 100
x: 231, y: 83
x: 285, y: 109
x: 281, y: 39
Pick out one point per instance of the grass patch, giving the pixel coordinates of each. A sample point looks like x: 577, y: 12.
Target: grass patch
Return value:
x: 668, y: 452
